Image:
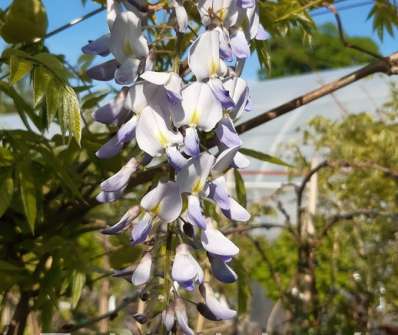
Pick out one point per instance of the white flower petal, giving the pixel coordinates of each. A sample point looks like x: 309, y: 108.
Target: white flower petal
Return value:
x: 204, y: 55
x: 236, y: 212
x: 126, y: 37
x: 219, y: 309
x: 216, y: 243
x: 164, y: 201
x: 239, y: 92
x: 184, y: 268
x: 168, y: 317
x: 113, y: 8
x: 192, y: 178
x: 181, y: 15
x: 120, y: 179
x: 157, y: 78
x: 126, y: 74
x: 142, y: 273
x: 227, y: 11
x: 201, y: 108
x: 224, y: 160
x: 153, y: 135
x: 182, y: 317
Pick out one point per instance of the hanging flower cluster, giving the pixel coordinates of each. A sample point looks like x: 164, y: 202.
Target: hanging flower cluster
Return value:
x: 167, y: 115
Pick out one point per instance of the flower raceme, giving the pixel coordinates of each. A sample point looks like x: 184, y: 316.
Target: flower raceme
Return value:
x: 166, y: 117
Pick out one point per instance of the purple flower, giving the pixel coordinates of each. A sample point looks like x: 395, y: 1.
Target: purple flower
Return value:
x: 186, y: 271
x: 100, y: 46
x: 124, y: 222
x: 214, y: 242
x: 168, y: 317
x: 142, y: 273
x: 221, y: 270
x: 164, y: 201
x: 182, y: 317
x: 104, y: 71
x: 217, y: 307
x: 119, y: 180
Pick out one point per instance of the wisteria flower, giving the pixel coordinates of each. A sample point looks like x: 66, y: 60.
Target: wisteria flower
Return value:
x: 142, y: 273
x: 170, y: 117
x: 186, y: 271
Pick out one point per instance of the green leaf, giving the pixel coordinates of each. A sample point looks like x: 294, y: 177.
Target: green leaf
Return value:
x: 7, y: 190
x: 263, y: 55
x: 240, y: 188
x: 41, y: 80
x: 19, y: 68
x: 28, y: 192
x: 70, y: 114
x: 53, y: 99
x: 91, y: 100
x: 53, y: 64
x: 24, y: 21
x: 78, y: 280
x: 6, y: 158
x: 263, y: 157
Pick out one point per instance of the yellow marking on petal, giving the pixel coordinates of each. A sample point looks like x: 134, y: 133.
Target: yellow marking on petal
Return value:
x: 155, y: 210
x: 127, y: 48
x: 221, y: 14
x: 214, y: 67
x: 195, y: 118
x: 197, y: 186
x: 163, y: 139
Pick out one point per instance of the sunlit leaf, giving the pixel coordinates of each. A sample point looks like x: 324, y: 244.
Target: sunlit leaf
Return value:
x: 53, y: 99
x: 71, y: 113
x: 78, y: 280
x: 41, y: 79
x: 54, y: 65
x: 19, y: 68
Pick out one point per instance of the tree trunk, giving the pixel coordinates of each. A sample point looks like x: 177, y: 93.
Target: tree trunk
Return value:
x: 18, y: 321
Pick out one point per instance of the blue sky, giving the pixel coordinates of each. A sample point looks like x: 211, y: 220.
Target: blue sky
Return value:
x: 70, y: 41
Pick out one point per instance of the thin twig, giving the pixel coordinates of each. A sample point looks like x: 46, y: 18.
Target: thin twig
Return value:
x: 243, y: 229
x: 347, y: 44
x: 71, y: 24
x: 369, y: 213
x: 112, y: 314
